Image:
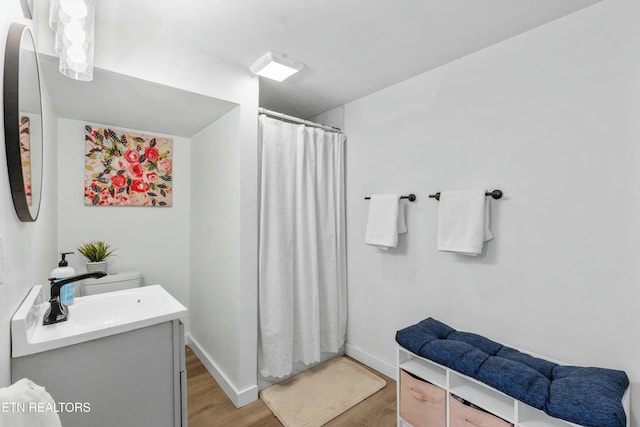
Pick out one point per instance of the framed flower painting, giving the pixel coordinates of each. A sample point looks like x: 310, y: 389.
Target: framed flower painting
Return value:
x: 127, y: 169
x: 25, y: 156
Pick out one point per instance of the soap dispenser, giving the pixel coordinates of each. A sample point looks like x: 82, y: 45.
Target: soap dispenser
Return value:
x: 63, y: 270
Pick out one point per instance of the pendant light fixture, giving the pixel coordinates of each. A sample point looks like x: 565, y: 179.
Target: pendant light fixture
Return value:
x: 73, y: 22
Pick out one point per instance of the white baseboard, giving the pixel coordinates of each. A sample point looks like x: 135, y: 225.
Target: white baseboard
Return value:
x: 238, y: 397
x: 371, y: 361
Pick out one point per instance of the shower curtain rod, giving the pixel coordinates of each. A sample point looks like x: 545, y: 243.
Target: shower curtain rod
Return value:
x: 297, y: 120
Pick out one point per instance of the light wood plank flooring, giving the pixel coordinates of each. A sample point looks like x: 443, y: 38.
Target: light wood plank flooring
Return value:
x: 210, y: 407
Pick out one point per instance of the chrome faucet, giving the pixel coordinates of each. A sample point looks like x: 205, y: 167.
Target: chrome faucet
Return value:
x: 58, y: 312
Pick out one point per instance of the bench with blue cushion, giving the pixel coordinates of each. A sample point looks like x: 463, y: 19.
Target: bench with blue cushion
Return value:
x: 590, y: 397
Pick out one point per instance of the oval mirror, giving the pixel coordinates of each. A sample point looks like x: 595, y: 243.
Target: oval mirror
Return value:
x: 23, y: 122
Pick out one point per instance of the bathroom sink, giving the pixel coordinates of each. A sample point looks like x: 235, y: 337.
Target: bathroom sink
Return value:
x: 90, y: 317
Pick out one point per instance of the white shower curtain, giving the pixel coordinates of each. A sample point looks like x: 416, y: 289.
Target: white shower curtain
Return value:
x: 302, y: 266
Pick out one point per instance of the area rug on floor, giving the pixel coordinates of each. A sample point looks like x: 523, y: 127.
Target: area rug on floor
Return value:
x: 316, y: 396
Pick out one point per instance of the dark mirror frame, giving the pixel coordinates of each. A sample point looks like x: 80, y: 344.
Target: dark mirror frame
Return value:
x: 11, y: 99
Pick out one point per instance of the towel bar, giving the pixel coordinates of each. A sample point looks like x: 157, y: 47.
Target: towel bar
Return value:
x: 411, y: 197
x: 496, y: 194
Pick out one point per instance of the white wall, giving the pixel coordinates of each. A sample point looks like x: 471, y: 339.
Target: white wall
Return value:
x: 551, y: 117
x: 333, y: 117
x: 152, y: 240
x: 29, y: 248
x: 215, y: 263
x: 223, y: 300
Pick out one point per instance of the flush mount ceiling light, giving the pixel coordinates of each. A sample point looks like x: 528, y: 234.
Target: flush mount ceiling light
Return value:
x: 73, y: 22
x: 275, y: 66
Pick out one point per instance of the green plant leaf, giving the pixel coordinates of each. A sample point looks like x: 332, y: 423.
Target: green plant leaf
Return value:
x: 95, y: 251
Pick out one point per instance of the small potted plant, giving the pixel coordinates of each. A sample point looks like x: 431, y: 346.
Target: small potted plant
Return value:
x: 96, y: 254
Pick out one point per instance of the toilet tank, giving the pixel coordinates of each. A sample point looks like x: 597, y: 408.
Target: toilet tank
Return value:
x: 112, y: 282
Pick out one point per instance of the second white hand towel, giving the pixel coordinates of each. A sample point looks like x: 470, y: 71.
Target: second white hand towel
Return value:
x: 385, y: 221
x: 463, y: 221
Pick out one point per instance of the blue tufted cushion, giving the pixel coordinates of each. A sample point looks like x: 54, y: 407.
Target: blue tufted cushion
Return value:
x: 414, y: 337
x: 482, y: 343
x: 457, y: 355
x: 516, y: 380
x: 543, y: 366
x: 588, y: 396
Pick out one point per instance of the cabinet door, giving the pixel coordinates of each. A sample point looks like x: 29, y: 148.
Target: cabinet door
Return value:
x: 422, y: 404
x: 127, y: 379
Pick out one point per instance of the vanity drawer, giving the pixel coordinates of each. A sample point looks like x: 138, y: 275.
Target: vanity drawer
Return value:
x: 422, y: 404
x: 462, y: 415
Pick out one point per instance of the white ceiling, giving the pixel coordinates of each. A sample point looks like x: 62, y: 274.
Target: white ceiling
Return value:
x: 350, y: 48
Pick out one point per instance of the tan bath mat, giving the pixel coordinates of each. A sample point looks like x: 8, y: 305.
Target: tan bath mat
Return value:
x: 316, y: 396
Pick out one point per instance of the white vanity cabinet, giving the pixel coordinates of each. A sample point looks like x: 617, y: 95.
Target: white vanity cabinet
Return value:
x: 506, y: 409
x: 135, y: 378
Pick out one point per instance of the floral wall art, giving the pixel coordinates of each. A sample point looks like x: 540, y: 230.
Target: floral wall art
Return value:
x: 25, y: 155
x: 127, y: 169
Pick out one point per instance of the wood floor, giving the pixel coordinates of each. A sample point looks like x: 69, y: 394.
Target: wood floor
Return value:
x: 210, y: 407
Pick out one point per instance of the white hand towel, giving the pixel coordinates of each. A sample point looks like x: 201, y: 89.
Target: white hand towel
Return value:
x: 402, y: 224
x: 28, y: 405
x: 463, y: 221
x: 385, y: 221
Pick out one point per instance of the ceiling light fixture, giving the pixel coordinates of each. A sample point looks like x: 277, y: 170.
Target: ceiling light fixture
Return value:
x: 73, y: 22
x: 275, y: 66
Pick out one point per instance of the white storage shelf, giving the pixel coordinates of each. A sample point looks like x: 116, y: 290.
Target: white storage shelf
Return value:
x: 480, y: 394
